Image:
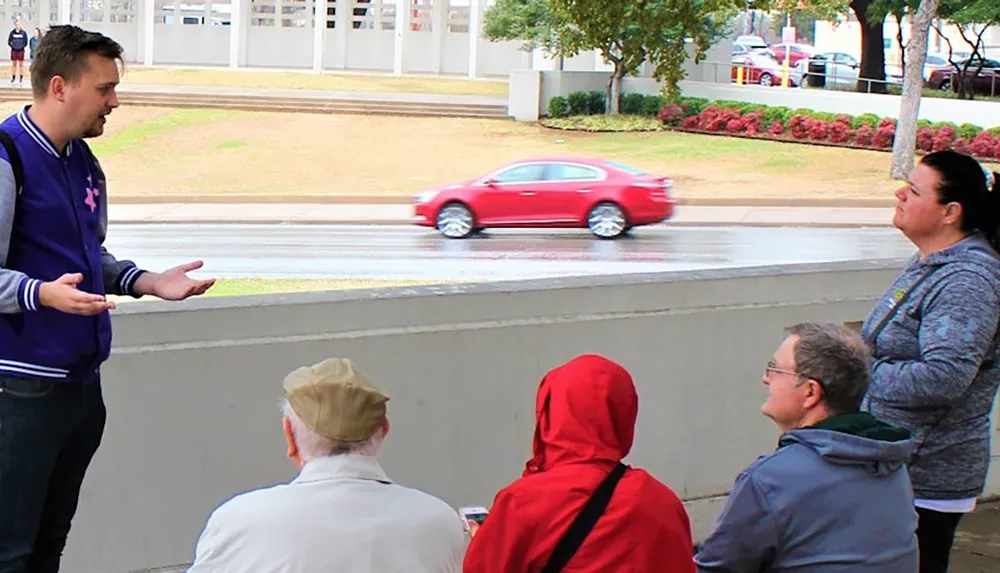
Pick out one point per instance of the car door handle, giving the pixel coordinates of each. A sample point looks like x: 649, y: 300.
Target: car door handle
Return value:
x: 583, y: 191
x: 528, y: 193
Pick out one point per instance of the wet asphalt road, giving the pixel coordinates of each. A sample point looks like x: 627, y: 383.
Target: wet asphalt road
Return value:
x: 385, y: 252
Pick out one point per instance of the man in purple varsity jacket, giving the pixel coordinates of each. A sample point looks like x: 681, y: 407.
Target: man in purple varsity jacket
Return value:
x: 55, y: 328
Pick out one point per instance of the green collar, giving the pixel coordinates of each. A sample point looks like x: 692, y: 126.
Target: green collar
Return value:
x: 864, y: 425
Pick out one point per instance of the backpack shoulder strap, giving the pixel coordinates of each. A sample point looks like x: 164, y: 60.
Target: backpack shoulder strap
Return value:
x: 584, y: 521
x: 15, y: 161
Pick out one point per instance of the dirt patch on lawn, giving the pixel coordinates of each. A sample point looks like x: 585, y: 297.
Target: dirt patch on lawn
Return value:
x: 274, y: 153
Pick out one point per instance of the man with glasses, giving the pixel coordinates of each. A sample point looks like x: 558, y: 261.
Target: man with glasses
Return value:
x: 831, y: 497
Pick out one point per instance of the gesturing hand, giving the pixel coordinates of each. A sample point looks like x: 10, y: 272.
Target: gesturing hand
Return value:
x: 174, y: 284
x: 62, y: 294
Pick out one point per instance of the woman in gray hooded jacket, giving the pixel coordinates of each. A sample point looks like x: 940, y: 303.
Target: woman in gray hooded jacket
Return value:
x: 934, y: 340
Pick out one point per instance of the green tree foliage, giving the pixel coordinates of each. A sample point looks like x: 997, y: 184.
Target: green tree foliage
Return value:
x: 531, y: 22
x: 627, y: 33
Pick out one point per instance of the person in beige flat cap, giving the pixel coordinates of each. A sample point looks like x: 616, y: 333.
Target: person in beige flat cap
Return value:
x: 342, y: 513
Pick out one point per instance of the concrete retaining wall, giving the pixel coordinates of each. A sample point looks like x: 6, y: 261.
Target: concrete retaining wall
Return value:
x: 193, y: 388
x: 527, y: 102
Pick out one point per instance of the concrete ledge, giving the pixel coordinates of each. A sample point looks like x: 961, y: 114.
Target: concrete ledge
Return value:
x: 192, y: 387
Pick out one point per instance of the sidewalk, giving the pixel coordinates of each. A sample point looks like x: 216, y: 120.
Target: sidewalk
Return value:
x: 977, y: 545
x: 361, y: 214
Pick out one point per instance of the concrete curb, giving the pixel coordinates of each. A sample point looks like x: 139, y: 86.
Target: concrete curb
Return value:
x: 403, y: 222
x: 407, y: 199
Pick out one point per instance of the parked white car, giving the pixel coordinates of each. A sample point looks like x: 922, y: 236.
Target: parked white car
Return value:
x: 841, y: 70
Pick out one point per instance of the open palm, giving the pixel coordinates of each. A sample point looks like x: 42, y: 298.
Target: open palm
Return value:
x: 175, y: 284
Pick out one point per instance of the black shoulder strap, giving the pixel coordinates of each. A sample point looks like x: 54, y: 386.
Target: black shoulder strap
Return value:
x: 584, y: 521
x: 15, y: 160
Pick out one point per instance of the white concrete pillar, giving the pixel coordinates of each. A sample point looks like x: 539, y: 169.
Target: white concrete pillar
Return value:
x: 44, y: 17
x: 148, y: 26
x: 319, y: 34
x: 402, y: 23
x: 439, y: 23
x: 65, y: 11
x: 475, y: 9
x: 343, y: 25
x: 236, y: 22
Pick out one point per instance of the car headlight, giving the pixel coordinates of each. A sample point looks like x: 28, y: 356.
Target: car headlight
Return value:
x: 425, y: 197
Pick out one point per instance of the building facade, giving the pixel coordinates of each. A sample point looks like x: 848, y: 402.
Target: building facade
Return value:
x: 440, y: 37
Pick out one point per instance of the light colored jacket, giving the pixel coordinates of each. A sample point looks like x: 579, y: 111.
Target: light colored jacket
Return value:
x: 340, y: 514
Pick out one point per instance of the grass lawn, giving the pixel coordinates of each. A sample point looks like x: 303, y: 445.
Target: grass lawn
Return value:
x: 241, y: 287
x: 162, y: 152
x: 312, y: 81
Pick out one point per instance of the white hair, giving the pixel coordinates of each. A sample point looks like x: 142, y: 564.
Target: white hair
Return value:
x: 312, y: 445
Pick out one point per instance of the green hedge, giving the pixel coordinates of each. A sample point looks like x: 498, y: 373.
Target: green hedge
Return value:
x: 583, y: 103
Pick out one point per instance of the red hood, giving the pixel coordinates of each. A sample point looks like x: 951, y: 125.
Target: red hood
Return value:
x: 585, y: 411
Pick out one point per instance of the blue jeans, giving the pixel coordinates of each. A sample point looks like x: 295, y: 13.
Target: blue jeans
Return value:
x: 49, y: 432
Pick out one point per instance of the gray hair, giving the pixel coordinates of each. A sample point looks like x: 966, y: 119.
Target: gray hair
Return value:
x: 837, y: 358
x: 312, y: 445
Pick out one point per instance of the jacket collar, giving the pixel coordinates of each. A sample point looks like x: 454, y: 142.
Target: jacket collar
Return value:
x: 38, y: 136
x: 345, y: 466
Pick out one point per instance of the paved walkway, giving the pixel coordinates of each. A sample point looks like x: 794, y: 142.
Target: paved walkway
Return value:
x: 977, y: 547
x: 304, y: 213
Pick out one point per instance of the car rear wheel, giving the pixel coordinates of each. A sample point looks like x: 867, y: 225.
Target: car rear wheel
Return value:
x: 455, y: 221
x: 607, y: 221
x: 766, y: 80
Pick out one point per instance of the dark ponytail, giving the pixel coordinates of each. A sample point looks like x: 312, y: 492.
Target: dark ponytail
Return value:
x: 965, y: 181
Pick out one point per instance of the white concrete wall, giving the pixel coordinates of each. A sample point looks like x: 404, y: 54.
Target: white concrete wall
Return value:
x: 523, y: 97
x: 983, y: 113
x: 527, y: 103
x: 192, y: 388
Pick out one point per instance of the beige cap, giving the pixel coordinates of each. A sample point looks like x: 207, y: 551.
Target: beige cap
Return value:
x: 336, y: 401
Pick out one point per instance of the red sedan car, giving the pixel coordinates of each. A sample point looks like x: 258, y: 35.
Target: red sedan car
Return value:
x: 560, y: 192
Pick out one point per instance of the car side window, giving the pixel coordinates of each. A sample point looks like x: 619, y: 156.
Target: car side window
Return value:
x: 844, y: 59
x: 564, y: 172
x: 521, y: 174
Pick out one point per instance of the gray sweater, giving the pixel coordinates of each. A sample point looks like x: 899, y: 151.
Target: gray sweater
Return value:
x: 934, y: 371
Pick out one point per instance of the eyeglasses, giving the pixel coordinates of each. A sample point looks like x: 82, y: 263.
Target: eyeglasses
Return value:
x: 772, y: 366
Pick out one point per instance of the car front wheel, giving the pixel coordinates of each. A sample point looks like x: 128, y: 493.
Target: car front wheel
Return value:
x: 607, y: 221
x: 455, y: 221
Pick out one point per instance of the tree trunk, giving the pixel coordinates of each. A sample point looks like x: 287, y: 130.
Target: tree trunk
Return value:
x: 615, y: 89
x: 904, y: 148
x: 872, y: 76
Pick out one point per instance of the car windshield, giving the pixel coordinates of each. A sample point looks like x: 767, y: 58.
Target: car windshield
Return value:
x: 626, y: 168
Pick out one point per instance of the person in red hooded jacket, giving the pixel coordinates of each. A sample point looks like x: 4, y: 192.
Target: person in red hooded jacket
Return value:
x: 585, y: 423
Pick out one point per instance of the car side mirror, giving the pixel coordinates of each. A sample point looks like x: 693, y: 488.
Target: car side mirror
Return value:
x: 490, y: 181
